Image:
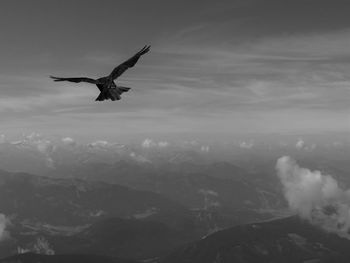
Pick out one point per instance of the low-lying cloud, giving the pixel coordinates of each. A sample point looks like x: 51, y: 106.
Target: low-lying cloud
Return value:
x: 246, y: 145
x: 205, y: 148
x: 300, y: 144
x: 149, y: 143
x: 315, y: 196
x: 68, y: 141
x: 4, y: 222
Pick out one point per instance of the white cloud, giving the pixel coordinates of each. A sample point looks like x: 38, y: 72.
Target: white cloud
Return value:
x: 191, y: 143
x: 246, y: 145
x: 67, y: 97
x: 149, y: 143
x: 163, y: 144
x: 41, y: 246
x: 68, y: 141
x: 139, y: 158
x: 311, y: 46
x: 208, y: 192
x: 99, y: 144
x: 50, y: 162
x: 300, y: 144
x: 205, y: 148
x: 4, y: 222
x: 2, y: 138
x: 315, y: 196
x: 44, y: 146
x: 267, y: 68
x: 38, y: 142
x: 210, y: 197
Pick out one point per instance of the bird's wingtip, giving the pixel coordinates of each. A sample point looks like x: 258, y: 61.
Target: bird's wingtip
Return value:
x: 145, y: 49
x: 56, y: 78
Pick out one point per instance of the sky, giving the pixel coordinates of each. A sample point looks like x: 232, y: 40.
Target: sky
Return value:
x: 224, y: 67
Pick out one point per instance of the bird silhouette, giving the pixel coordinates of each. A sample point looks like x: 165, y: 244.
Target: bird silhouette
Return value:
x: 106, y: 85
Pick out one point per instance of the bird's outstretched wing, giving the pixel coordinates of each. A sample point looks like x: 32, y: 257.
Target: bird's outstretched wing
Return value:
x: 117, y: 71
x: 76, y: 80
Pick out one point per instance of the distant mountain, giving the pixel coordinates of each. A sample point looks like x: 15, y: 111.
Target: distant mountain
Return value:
x: 220, y: 187
x: 72, y: 202
x: 288, y: 240
x: 35, y: 258
x: 76, y: 216
x: 182, y: 171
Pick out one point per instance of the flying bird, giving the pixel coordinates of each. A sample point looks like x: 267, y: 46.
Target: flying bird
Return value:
x: 106, y: 85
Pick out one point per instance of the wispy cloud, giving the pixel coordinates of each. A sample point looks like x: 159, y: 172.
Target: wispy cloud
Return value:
x: 236, y: 65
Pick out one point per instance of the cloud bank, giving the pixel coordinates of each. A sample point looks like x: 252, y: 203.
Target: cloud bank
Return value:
x: 315, y: 196
x: 149, y: 143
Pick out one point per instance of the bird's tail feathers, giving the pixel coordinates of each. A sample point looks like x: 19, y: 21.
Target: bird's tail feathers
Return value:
x: 124, y: 89
x: 112, y: 93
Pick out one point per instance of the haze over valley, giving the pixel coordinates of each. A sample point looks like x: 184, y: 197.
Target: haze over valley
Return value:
x: 166, y: 131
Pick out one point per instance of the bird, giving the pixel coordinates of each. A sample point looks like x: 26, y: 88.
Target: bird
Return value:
x: 108, y: 89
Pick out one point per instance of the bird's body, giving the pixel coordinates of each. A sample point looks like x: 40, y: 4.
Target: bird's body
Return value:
x: 106, y: 85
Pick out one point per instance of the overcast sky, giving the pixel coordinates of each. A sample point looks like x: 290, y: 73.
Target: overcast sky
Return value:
x: 219, y: 67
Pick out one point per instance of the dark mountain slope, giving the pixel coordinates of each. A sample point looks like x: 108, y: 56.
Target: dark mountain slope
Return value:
x: 35, y: 258
x: 126, y: 238
x: 284, y: 240
x: 76, y: 202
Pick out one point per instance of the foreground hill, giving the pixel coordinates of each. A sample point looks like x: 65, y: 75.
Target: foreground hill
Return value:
x: 37, y: 206
x: 34, y: 258
x: 125, y: 238
x: 284, y: 240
